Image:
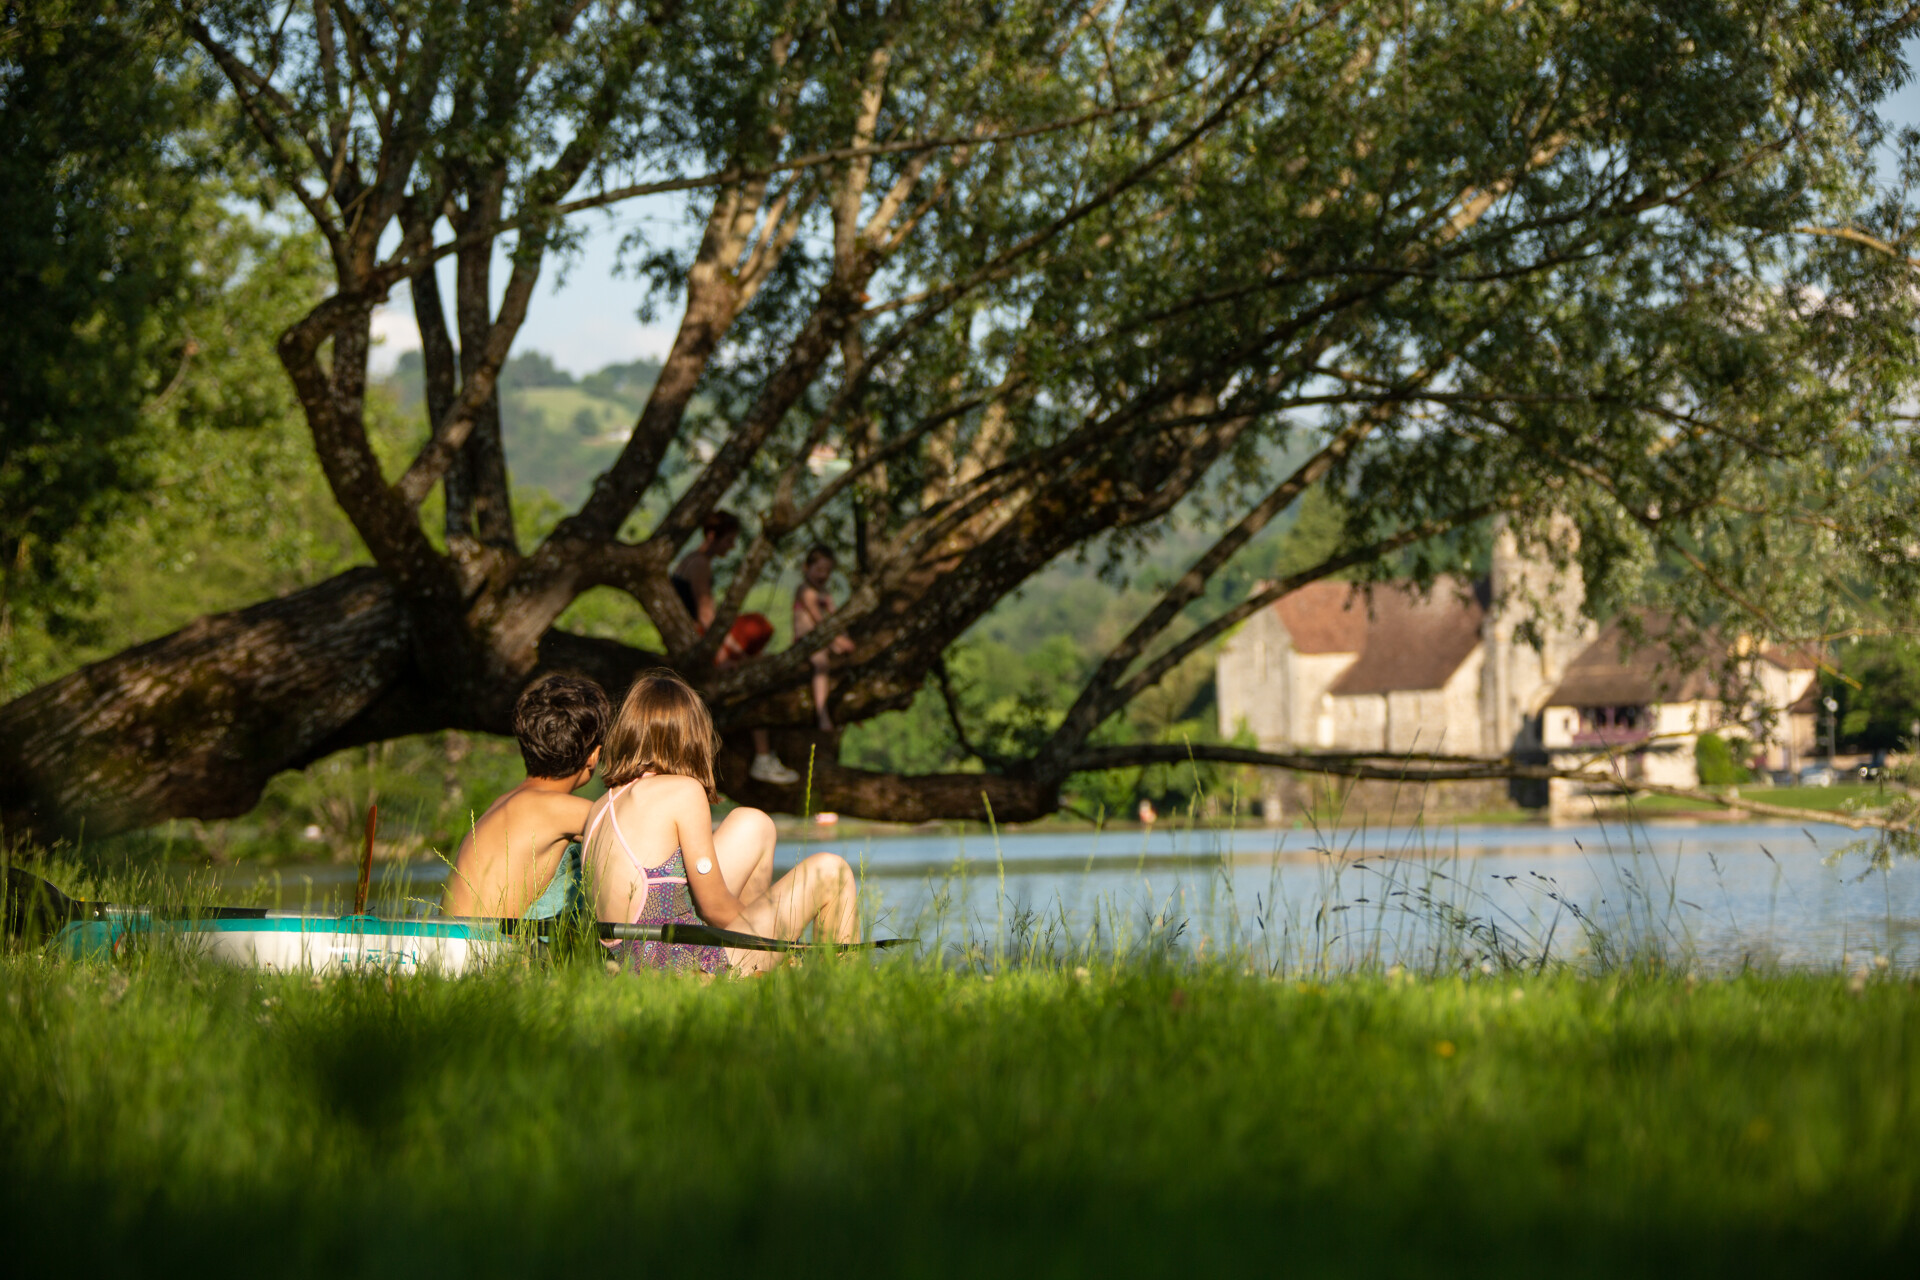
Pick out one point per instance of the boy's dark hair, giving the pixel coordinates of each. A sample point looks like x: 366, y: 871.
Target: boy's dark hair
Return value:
x: 821, y: 551
x: 559, y: 720
x: 720, y: 523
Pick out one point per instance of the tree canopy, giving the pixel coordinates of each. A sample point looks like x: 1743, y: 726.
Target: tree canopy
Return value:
x: 128, y: 269
x: 1050, y: 280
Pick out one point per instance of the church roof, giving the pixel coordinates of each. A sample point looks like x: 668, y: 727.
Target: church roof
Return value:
x: 1402, y: 638
x: 1324, y: 617
x: 1798, y: 657
x: 1808, y: 703
x: 1613, y: 672
x: 1415, y: 640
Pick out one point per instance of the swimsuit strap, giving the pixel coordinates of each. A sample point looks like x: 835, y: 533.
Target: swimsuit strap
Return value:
x: 606, y: 809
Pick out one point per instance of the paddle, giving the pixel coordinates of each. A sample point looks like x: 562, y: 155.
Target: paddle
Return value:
x: 36, y: 910
x: 366, y: 863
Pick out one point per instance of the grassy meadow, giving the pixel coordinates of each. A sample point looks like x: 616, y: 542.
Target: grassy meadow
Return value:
x: 903, y: 1116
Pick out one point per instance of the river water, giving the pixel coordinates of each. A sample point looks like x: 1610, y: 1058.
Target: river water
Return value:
x: 1716, y: 896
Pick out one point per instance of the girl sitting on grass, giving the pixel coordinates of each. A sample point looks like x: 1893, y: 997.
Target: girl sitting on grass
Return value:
x: 655, y: 857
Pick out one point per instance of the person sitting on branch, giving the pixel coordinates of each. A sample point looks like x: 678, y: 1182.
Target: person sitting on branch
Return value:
x: 811, y: 605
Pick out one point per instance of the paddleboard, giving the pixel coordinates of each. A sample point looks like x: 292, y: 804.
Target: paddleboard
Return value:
x: 293, y: 943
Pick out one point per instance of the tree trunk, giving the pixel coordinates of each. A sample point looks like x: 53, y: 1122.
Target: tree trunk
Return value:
x: 194, y: 724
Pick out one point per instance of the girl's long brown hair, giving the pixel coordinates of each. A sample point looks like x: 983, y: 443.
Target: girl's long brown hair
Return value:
x: 663, y: 727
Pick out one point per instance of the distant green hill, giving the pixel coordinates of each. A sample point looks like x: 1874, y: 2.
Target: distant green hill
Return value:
x: 560, y: 438
x: 559, y: 432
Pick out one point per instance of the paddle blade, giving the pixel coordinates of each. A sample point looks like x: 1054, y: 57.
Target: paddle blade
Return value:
x: 35, y: 910
x: 366, y: 862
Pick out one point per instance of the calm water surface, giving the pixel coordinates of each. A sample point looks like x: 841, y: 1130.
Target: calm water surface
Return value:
x: 1719, y: 895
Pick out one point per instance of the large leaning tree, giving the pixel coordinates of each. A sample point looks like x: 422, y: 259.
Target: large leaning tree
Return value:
x: 1046, y: 276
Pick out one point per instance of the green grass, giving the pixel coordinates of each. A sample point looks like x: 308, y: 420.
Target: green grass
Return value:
x: 1848, y: 795
x: 916, y: 1121
x: 1861, y: 795
x: 560, y: 406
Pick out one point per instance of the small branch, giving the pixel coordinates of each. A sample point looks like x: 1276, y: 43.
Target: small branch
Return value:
x: 992, y: 760
x: 1857, y: 236
x: 838, y: 155
x: 188, y: 351
x: 1446, y: 769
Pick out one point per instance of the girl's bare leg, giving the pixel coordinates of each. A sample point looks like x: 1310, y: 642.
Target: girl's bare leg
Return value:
x: 743, y: 846
x: 820, y: 687
x: 821, y: 891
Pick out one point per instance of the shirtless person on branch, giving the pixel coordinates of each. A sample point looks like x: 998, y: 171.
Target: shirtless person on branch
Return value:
x: 693, y: 580
x: 516, y: 860
x: 811, y: 605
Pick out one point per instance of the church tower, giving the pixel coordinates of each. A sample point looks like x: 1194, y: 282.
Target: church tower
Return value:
x: 1533, y: 630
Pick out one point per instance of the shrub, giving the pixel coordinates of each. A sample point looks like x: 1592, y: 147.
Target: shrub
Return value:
x: 1718, y: 767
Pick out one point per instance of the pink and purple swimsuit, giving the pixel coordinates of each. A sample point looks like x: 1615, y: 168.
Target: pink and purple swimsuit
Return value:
x: 667, y: 901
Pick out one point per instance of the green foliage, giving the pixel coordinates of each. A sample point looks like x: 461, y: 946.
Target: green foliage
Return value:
x: 162, y: 1115
x: 430, y: 791
x: 1878, y: 689
x: 107, y: 190
x: 152, y: 467
x: 1713, y: 755
x: 231, y: 517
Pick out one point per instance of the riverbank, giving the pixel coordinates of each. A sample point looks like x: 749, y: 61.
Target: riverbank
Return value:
x: 1120, y: 1119
x: 1842, y: 797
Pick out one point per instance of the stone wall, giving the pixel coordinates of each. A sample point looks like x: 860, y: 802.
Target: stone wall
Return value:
x: 1377, y: 803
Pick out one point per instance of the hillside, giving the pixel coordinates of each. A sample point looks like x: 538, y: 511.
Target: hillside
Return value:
x: 559, y: 432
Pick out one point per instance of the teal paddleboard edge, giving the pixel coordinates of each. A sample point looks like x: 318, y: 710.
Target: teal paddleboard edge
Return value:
x: 97, y: 939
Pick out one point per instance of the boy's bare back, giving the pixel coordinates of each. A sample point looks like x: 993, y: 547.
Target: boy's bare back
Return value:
x: 512, y: 852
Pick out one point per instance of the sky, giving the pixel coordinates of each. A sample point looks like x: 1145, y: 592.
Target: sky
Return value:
x: 586, y: 316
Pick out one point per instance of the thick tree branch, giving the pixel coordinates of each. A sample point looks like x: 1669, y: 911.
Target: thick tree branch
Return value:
x: 1429, y: 769
x: 1095, y: 702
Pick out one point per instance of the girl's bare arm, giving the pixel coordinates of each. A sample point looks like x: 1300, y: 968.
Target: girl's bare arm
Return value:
x: 693, y: 822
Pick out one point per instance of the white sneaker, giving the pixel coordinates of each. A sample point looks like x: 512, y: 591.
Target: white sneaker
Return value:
x: 768, y: 768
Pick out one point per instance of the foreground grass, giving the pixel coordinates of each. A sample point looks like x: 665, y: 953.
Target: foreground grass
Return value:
x: 929, y: 1123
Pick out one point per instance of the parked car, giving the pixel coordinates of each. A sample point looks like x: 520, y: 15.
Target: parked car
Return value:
x: 1818, y: 775
x: 1875, y: 769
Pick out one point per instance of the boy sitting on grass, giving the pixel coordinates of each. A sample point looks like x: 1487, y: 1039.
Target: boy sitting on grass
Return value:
x: 519, y: 859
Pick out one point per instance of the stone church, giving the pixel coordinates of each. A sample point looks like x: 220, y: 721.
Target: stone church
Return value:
x: 1505, y: 665
x: 1452, y: 670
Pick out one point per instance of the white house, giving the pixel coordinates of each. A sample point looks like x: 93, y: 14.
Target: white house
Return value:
x: 1639, y: 711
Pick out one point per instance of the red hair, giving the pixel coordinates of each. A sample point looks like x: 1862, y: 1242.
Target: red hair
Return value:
x: 750, y: 633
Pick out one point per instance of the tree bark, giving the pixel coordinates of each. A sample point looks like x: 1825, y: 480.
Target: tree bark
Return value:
x: 194, y: 724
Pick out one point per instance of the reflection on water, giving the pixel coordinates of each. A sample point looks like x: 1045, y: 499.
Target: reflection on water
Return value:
x: 1716, y: 895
